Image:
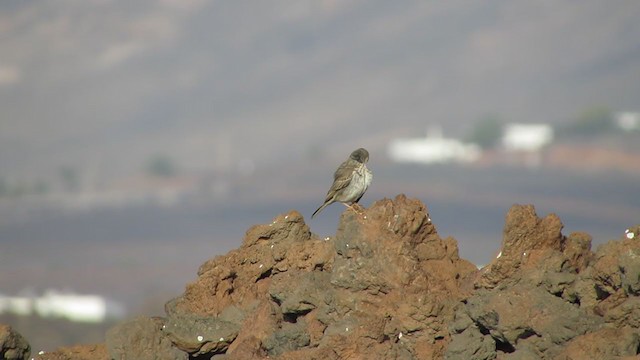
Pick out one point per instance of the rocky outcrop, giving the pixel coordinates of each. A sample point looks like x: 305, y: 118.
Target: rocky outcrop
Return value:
x: 384, y: 287
x: 12, y: 345
x: 142, y: 339
x: 387, y: 286
x: 548, y: 296
x: 80, y: 352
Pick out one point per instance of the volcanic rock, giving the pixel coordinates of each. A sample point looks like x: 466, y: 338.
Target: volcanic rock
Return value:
x: 142, y: 338
x: 387, y: 286
x: 384, y: 287
x: 546, y: 295
x: 78, y: 352
x: 12, y: 344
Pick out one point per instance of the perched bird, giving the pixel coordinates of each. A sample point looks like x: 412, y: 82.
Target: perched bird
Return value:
x: 350, y: 181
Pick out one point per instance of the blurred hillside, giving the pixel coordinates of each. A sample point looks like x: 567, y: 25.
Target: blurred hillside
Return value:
x: 103, y: 86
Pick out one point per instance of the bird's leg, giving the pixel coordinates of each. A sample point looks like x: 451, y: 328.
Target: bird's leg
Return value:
x: 353, y: 207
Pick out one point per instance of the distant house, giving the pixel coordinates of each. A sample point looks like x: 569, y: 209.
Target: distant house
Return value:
x: 526, y: 137
x: 79, y: 308
x: 627, y: 121
x: 15, y: 305
x: 432, y: 149
x: 53, y: 304
x: 523, y: 143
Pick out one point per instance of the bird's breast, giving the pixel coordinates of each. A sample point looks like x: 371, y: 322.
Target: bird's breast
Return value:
x: 360, y: 180
x: 368, y: 176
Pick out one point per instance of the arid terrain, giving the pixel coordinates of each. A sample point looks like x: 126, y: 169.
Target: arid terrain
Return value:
x: 388, y: 286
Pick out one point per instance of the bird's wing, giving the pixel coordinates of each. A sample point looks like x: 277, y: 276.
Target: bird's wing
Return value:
x: 341, y: 178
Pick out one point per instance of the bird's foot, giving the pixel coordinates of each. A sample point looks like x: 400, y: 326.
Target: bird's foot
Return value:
x: 357, y: 208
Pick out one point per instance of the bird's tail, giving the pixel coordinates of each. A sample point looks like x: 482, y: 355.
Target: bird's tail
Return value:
x: 320, y: 208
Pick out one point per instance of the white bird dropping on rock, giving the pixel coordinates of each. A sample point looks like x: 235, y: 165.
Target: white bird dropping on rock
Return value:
x: 630, y: 234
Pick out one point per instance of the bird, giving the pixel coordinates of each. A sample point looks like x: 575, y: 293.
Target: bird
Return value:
x: 350, y: 181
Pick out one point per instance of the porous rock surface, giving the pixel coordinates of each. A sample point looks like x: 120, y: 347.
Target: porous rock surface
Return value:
x: 547, y: 296
x: 387, y: 286
x: 12, y: 345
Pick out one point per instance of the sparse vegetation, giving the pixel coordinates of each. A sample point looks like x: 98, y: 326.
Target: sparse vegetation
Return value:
x: 161, y: 166
x: 40, y: 187
x: 4, y: 188
x: 487, y: 131
x: 70, y: 179
x: 593, y: 121
x: 20, y: 187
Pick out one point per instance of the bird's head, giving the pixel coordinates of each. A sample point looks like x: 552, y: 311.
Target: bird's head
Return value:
x: 361, y: 155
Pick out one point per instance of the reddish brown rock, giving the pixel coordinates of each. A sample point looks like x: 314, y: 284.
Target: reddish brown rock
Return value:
x: 243, y: 276
x: 617, y: 267
x: 12, y: 345
x: 577, y: 249
x: 80, y: 352
x: 387, y: 286
x: 526, y: 238
x: 610, y: 286
x: 606, y: 343
x: 141, y: 338
x: 524, y: 230
x: 546, y: 290
x: 521, y: 317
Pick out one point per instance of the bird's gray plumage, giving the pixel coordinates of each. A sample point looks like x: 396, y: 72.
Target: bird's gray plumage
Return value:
x: 350, y: 181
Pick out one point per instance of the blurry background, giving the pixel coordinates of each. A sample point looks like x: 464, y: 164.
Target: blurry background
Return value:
x: 138, y: 139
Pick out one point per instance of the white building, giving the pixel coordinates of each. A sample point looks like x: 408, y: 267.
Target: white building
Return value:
x: 523, y: 143
x: 526, y: 137
x: 80, y: 308
x: 628, y: 121
x: 16, y: 305
x: 53, y: 304
x: 432, y: 149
